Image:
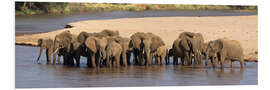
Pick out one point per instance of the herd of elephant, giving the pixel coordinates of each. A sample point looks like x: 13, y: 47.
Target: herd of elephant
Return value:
x: 108, y: 49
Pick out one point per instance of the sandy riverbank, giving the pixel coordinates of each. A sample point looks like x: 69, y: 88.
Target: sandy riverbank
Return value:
x: 241, y: 28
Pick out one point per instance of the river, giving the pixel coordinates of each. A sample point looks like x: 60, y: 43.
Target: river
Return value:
x: 29, y: 74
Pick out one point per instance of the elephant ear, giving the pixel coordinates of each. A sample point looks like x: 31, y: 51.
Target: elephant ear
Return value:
x: 184, y: 44
x: 91, y: 44
x: 218, y: 45
x: 81, y: 37
x: 40, y: 41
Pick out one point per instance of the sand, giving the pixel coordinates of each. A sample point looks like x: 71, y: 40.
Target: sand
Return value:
x: 241, y: 28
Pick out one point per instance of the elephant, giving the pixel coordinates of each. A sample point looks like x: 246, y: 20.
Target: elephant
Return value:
x: 48, y: 45
x: 205, y: 55
x: 110, y: 33
x: 96, y: 46
x: 226, y: 49
x: 137, y: 45
x: 197, y: 43
x: 126, y: 49
x: 62, y: 44
x: 161, y: 55
x: 151, y: 43
x: 191, y: 44
x: 100, y: 38
x: 177, y: 52
x: 114, y: 51
x: 104, y: 33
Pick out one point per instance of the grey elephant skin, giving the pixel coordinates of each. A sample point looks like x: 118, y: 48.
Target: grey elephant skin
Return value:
x: 136, y: 43
x: 95, y: 44
x: 151, y: 43
x: 225, y: 49
x: 46, y: 44
x: 114, y: 51
x: 126, y: 49
x: 63, y: 47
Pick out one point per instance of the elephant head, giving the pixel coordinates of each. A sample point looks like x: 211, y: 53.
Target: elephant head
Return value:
x: 101, y: 44
x: 82, y: 37
x: 136, y: 40
x: 62, y: 41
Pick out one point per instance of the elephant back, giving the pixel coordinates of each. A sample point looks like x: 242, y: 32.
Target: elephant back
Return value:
x: 109, y: 33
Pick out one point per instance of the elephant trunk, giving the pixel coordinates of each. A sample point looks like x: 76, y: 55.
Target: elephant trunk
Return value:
x: 54, y: 54
x: 104, y: 54
x: 40, y: 52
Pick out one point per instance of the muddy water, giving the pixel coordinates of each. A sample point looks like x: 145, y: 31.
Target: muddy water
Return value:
x: 29, y: 74
x: 46, y: 23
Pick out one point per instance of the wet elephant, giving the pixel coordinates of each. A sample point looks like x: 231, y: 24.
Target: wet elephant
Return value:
x: 62, y: 44
x: 137, y: 45
x: 126, y: 49
x: 95, y: 46
x: 114, y: 51
x: 226, y: 49
x: 151, y: 43
x: 46, y: 44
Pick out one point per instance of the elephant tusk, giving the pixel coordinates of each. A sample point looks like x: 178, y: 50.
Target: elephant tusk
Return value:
x: 57, y: 49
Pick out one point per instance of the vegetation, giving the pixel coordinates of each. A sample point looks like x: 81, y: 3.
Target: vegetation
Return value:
x: 32, y: 8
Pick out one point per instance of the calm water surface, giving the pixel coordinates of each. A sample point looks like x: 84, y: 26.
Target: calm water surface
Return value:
x: 29, y: 74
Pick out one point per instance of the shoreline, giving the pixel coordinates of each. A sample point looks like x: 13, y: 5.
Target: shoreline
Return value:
x: 241, y: 28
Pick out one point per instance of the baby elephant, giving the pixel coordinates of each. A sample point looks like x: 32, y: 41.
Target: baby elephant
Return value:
x: 48, y: 45
x: 226, y: 49
x: 161, y: 55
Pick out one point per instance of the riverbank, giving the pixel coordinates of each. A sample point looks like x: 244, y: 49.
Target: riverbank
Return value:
x: 241, y: 28
x: 35, y: 8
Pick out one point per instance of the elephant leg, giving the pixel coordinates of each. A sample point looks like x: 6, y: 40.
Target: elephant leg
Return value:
x: 54, y: 58
x: 207, y: 61
x: 214, y: 61
x: 48, y: 57
x: 158, y: 60
x: 89, y: 63
x: 232, y: 63
x: 163, y: 58
x: 65, y: 60
x: 187, y: 62
x: 242, y: 62
x: 128, y: 58
x: 124, y: 56
x: 141, y: 59
x: 58, y: 59
x: 78, y: 61
x: 167, y: 60
x: 117, y: 59
x: 70, y: 60
x: 135, y: 58
x: 114, y: 62
x: 222, y: 59
x: 98, y: 60
x: 175, y: 59
x: 108, y: 61
x: 93, y: 61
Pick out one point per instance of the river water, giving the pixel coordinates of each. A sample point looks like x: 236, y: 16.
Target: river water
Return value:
x: 29, y: 74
